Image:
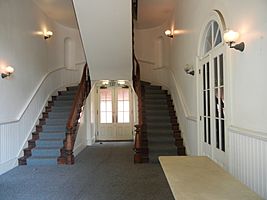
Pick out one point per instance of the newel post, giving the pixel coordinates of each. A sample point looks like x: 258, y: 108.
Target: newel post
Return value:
x: 138, y: 145
x: 69, y: 147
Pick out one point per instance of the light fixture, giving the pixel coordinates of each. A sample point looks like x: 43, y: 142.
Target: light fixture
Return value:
x: 189, y: 69
x: 47, y: 34
x: 230, y: 37
x: 172, y: 33
x: 7, y: 71
x: 169, y: 33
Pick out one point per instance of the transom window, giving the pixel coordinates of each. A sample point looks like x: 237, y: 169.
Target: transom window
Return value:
x: 213, y: 36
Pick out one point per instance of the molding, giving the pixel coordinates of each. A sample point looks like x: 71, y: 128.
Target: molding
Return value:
x: 249, y: 133
x: 185, y: 109
x: 6, y: 166
x: 146, y: 62
x: 78, y: 149
x: 18, y: 118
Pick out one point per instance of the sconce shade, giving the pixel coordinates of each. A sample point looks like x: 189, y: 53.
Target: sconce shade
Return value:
x: 48, y: 34
x: 169, y: 33
x: 230, y: 36
x: 7, y: 72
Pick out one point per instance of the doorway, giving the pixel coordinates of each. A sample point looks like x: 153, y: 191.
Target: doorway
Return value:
x: 114, y: 113
x: 211, y: 83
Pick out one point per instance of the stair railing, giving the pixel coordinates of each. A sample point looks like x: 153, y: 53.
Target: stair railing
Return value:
x: 138, y: 142
x: 84, y: 88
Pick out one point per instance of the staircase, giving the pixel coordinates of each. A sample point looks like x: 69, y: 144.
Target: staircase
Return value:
x: 47, y: 141
x: 160, y: 123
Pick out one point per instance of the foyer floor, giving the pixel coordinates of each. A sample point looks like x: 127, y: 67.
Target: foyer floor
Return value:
x: 102, y: 172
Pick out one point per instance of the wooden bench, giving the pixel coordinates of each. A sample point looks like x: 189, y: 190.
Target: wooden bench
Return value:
x: 200, y: 178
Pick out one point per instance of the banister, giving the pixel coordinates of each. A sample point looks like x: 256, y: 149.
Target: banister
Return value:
x: 71, y: 130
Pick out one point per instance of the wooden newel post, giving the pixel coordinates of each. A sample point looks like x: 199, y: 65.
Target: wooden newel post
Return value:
x: 69, y: 147
x: 138, y: 145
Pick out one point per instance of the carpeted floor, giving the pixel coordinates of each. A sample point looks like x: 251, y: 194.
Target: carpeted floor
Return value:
x: 102, y: 172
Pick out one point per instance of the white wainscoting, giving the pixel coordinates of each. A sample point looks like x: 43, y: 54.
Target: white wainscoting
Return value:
x: 14, y: 134
x: 248, y: 158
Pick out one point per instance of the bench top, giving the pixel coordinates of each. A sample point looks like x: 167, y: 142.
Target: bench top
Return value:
x: 198, y: 177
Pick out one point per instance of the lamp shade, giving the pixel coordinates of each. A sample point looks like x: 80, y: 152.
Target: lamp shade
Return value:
x: 230, y: 36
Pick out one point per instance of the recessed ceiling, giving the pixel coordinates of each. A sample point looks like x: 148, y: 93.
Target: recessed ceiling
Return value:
x: 153, y: 13
x: 59, y: 10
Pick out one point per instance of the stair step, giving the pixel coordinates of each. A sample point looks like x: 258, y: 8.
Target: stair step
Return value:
x: 63, y: 103
x: 158, y: 131
x: 155, y: 101
x: 152, y: 87
x: 37, y: 161
x: 160, y: 125
x: 149, y: 113
x: 65, y: 97
x: 155, y: 119
x: 61, y: 108
x: 154, y: 96
x: 161, y: 139
x: 54, y: 127
x: 72, y: 88
x: 46, y: 151
x: 155, y: 107
x: 49, y: 143
x: 59, y: 121
x: 68, y: 92
x: 52, y: 135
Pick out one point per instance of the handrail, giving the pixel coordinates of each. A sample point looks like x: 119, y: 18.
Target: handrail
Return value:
x: 71, y: 130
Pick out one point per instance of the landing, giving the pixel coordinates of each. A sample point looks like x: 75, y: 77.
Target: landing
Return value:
x: 102, y: 172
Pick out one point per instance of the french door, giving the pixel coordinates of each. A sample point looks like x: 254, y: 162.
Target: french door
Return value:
x: 114, y: 114
x: 212, y: 106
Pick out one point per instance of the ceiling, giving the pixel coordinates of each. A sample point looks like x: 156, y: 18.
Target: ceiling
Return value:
x: 59, y: 10
x: 151, y: 13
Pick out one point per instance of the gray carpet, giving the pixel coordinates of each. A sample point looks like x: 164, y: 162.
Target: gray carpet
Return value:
x: 102, y: 172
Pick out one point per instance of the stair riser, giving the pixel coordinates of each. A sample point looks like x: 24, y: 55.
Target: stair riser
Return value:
x: 41, y: 162
x: 52, y: 136
x: 43, y: 143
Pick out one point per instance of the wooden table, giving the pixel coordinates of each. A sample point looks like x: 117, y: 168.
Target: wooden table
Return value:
x: 201, y: 178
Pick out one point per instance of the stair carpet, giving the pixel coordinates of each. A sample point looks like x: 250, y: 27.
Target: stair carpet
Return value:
x: 158, y: 123
x: 44, y: 148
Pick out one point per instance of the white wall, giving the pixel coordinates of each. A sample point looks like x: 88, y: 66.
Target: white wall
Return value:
x: 107, y: 36
x: 39, y: 71
x: 246, y: 73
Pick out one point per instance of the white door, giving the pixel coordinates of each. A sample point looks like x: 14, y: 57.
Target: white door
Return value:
x: 212, y: 103
x: 114, y: 114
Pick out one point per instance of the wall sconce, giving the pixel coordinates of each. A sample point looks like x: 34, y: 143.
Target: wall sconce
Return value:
x: 230, y: 37
x: 189, y: 69
x: 172, y: 33
x: 7, y: 71
x: 47, y: 34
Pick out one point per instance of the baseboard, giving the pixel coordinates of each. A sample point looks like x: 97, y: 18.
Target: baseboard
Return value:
x: 78, y: 149
x: 6, y: 166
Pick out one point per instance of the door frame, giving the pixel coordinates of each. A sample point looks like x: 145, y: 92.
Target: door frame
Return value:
x: 218, y: 17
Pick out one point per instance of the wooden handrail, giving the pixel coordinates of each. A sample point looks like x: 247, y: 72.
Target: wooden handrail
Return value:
x: 71, y: 127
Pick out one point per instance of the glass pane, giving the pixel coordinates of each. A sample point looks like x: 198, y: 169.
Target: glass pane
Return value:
x: 217, y: 106
x: 221, y: 69
x: 223, y: 135
x: 109, y: 117
x: 215, y: 71
x: 205, y: 129
x: 103, y: 93
x: 208, y: 75
x: 102, y: 106
x: 126, y: 117
x: 126, y: 106
x: 120, y: 95
x: 208, y: 102
x: 204, y: 77
x: 103, y: 117
x: 204, y: 102
x: 109, y: 106
x: 215, y: 30
x: 120, y: 106
x: 109, y: 95
x: 209, y: 131
x: 120, y: 117
x: 218, y: 38
x: 126, y: 94
x: 217, y: 130
x: 222, y: 102
x: 208, y: 41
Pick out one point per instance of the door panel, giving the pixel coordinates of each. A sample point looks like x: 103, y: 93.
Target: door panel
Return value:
x: 115, y: 120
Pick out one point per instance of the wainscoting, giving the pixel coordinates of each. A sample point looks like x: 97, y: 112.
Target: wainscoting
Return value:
x: 248, y: 158
x: 14, y: 134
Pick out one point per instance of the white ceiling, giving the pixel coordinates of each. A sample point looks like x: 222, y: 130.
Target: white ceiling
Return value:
x: 151, y: 13
x: 59, y: 10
